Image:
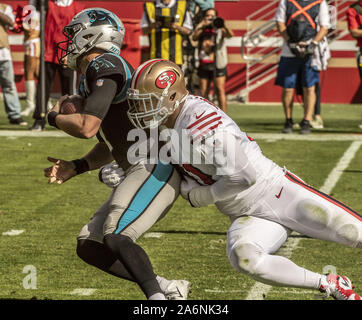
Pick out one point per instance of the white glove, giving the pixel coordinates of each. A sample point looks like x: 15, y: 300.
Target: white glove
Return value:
x: 111, y: 175
x: 187, y: 184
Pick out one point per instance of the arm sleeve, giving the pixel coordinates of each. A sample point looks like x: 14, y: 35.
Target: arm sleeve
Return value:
x: 236, y: 171
x: 102, y: 94
x: 323, y: 16
x: 280, y: 15
x: 188, y: 21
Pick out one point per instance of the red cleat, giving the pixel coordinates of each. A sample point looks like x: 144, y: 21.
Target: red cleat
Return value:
x: 338, y: 287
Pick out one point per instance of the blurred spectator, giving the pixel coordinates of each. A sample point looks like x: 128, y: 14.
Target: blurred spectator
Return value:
x: 59, y: 14
x: 198, y: 8
x: 31, y: 27
x: 298, y: 22
x: 202, y: 4
x: 319, y: 62
x: 317, y: 122
x: 354, y: 19
x: 7, y: 79
x: 212, y: 54
x: 166, y: 22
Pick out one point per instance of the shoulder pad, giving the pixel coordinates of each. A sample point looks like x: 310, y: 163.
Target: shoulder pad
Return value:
x: 105, y: 65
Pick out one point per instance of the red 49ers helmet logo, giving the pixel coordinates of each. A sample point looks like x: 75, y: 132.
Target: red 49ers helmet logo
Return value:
x: 164, y: 78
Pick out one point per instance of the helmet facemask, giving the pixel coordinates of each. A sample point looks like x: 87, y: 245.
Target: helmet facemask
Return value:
x: 69, y: 50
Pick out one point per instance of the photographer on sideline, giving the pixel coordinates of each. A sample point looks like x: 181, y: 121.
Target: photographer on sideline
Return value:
x: 212, y: 55
x: 166, y: 22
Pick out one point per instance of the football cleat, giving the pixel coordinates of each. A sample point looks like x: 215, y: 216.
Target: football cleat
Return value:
x: 177, y: 290
x: 338, y: 287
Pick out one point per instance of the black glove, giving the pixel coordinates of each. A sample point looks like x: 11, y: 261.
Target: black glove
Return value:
x: 298, y: 51
x: 310, y: 48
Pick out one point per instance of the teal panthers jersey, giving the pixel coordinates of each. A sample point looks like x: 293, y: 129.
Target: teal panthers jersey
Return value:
x: 107, y: 65
x: 115, y: 124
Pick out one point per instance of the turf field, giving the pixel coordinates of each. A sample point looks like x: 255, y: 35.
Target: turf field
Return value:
x: 188, y: 243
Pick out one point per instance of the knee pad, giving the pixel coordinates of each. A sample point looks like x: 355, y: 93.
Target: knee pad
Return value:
x: 331, y: 224
x: 245, y: 257
x: 313, y: 214
x: 350, y: 234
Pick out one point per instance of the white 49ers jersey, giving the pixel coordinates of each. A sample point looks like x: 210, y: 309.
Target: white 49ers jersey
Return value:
x: 226, y: 161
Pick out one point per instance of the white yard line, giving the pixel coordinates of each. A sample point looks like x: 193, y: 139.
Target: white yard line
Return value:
x: 83, y: 291
x: 153, y: 234
x: 35, y: 134
x: 260, y: 290
x: 310, y: 137
x: 12, y: 232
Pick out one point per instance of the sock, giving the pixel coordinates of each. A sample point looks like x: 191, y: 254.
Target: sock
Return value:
x: 99, y: 256
x: 280, y: 271
x: 135, y: 260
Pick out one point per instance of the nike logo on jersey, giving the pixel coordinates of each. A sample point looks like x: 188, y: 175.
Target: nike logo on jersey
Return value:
x: 280, y: 193
x: 198, y: 117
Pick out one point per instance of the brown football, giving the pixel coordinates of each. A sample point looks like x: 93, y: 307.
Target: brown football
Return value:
x: 72, y: 104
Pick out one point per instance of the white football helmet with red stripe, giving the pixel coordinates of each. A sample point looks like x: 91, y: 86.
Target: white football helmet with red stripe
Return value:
x: 157, y: 89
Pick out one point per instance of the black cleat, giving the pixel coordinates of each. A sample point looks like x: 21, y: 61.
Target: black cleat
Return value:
x: 305, y: 127
x: 18, y: 121
x: 288, y: 127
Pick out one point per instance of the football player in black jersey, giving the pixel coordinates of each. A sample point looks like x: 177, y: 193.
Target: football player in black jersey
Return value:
x: 147, y: 191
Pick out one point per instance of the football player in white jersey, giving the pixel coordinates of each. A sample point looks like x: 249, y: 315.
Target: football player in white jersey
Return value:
x: 264, y: 201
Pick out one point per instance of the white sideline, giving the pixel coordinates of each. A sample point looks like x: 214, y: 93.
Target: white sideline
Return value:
x: 35, y: 134
x: 256, y: 136
x: 260, y: 290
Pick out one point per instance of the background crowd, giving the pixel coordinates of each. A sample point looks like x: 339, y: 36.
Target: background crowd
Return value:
x: 189, y: 33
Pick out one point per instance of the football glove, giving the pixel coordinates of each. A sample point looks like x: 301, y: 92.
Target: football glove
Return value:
x: 187, y: 184
x: 111, y: 175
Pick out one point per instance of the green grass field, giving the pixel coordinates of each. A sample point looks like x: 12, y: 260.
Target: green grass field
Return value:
x: 192, y: 242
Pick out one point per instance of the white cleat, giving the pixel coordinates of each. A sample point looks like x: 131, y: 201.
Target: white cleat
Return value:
x: 177, y: 290
x: 27, y: 111
x: 338, y: 287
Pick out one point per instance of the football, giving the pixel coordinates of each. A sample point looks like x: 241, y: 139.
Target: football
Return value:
x: 72, y: 104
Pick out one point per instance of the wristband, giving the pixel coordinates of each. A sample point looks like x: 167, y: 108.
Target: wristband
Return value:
x: 51, y: 118
x: 80, y: 165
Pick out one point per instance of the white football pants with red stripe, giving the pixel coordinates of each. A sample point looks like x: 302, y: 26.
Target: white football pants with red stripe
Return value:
x: 290, y: 205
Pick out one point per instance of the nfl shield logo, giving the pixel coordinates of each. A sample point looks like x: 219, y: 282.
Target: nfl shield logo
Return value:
x: 99, y: 82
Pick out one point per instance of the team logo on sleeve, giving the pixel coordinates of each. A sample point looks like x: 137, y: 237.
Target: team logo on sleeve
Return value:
x: 164, y: 78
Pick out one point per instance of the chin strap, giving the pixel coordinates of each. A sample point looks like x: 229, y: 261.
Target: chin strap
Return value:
x: 178, y: 102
